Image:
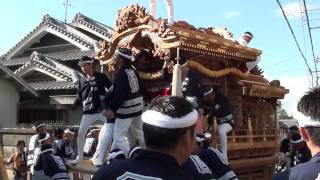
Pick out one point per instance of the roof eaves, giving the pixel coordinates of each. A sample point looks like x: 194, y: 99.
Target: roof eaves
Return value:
x: 19, y: 80
x: 53, y: 24
x: 98, y: 27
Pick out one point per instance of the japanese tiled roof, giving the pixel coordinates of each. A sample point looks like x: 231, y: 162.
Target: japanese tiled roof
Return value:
x: 65, y: 55
x: 57, y: 26
x: 46, y: 64
x: 52, y: 85
x: 16, y: 79
x: 93, y: 25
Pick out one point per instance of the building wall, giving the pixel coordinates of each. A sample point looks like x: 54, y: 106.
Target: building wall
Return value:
x: 74, y: 117
x: 9, y: 98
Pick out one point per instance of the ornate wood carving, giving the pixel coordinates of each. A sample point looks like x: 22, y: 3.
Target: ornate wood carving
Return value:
x: 131, y: 16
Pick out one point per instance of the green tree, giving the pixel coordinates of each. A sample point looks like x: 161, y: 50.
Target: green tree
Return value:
x: 282, y: 113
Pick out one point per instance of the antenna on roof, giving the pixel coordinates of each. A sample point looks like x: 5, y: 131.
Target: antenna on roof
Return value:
x: 66, y: 4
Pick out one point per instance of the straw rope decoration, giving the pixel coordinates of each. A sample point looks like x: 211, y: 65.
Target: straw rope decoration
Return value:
x: 203, y: 70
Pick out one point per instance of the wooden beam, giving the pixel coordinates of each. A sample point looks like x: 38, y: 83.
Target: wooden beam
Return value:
x: 85, y: 167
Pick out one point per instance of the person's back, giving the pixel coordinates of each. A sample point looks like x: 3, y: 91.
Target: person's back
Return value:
x: 308, y: 117
x: 304, y: 171
x: 147, y: 165
x: 53, y: 166
x: 197, y: 168
x: 168, y: 128
x: 217, y: 163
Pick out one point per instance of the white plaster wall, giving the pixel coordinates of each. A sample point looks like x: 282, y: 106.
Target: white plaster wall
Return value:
x: 9, y: 98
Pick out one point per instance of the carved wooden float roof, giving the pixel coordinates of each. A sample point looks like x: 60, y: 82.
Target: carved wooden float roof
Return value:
x: 210, y: 44
x: 192, y: 41
x: 257, y: 86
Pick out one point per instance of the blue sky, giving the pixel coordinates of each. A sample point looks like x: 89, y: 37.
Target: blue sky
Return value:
x: 280, y: 58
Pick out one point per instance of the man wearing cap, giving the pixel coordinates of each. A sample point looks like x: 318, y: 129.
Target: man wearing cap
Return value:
x: 309, y: 123
x: 218, y: 106
x: 126, y: 102
x: 169, y: 132
x: 91, y: 93
x: 40, y: 128
x: 64, y: 147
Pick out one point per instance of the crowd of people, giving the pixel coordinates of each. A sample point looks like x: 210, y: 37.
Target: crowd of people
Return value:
x: 158, y: 141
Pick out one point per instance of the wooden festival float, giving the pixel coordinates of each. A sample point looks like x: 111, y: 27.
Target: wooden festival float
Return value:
x: 211, y: 51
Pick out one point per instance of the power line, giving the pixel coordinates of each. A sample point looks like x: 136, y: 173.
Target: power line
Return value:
x: 294, y: 37
x: 282, y: 61
x: 311, y: 41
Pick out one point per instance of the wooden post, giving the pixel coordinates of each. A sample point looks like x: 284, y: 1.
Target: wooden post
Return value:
x: 214, y: 133
x: 250, y: 132
x: 277, y: 133
x: 177, y: 77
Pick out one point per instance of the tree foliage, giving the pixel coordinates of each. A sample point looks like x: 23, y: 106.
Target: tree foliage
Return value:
x: 282, y: 113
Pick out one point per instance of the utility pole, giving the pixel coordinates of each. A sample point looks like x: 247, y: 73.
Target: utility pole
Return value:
x: 66, y: 4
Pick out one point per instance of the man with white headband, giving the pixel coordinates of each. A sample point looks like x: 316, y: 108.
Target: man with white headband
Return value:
x: 169, y: 132
x: 53, y: 166
x: 218, y: 106
x: 126, y: 102
x: 63, y: 147
x: 244, y: 39
x: 40, y: 128
x: 309, y: 123
x: 38, y: 172
x: 91, y: 93
x: 300, y: 152
x: 208, y: 163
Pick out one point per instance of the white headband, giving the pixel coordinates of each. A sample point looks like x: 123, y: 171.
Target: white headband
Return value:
x: 200, y: 139
x: 297, y: 141
x: 47, y: 150
x: 42, y: 124
x: 133, y: 150
x: 68, y: 131
x: 158, y: 119
x: 45, y: 138
x: 305, y: 121
x: 208, y: 92
x: 247, y: 35
x: 115, y: 154
x: 124, y: 55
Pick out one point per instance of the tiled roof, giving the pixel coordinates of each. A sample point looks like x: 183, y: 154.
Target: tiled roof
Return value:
x: 93, y: 25
x: 52, y: 85
x: 46, y: 65
x: 18, y: 80
x: 57, y: 26
x: 16, y: 61
x: 67, y: 55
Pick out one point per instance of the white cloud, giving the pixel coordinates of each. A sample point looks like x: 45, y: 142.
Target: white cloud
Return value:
x: 231, y: 14
x: 297, y: 87
x: 294, y: 10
